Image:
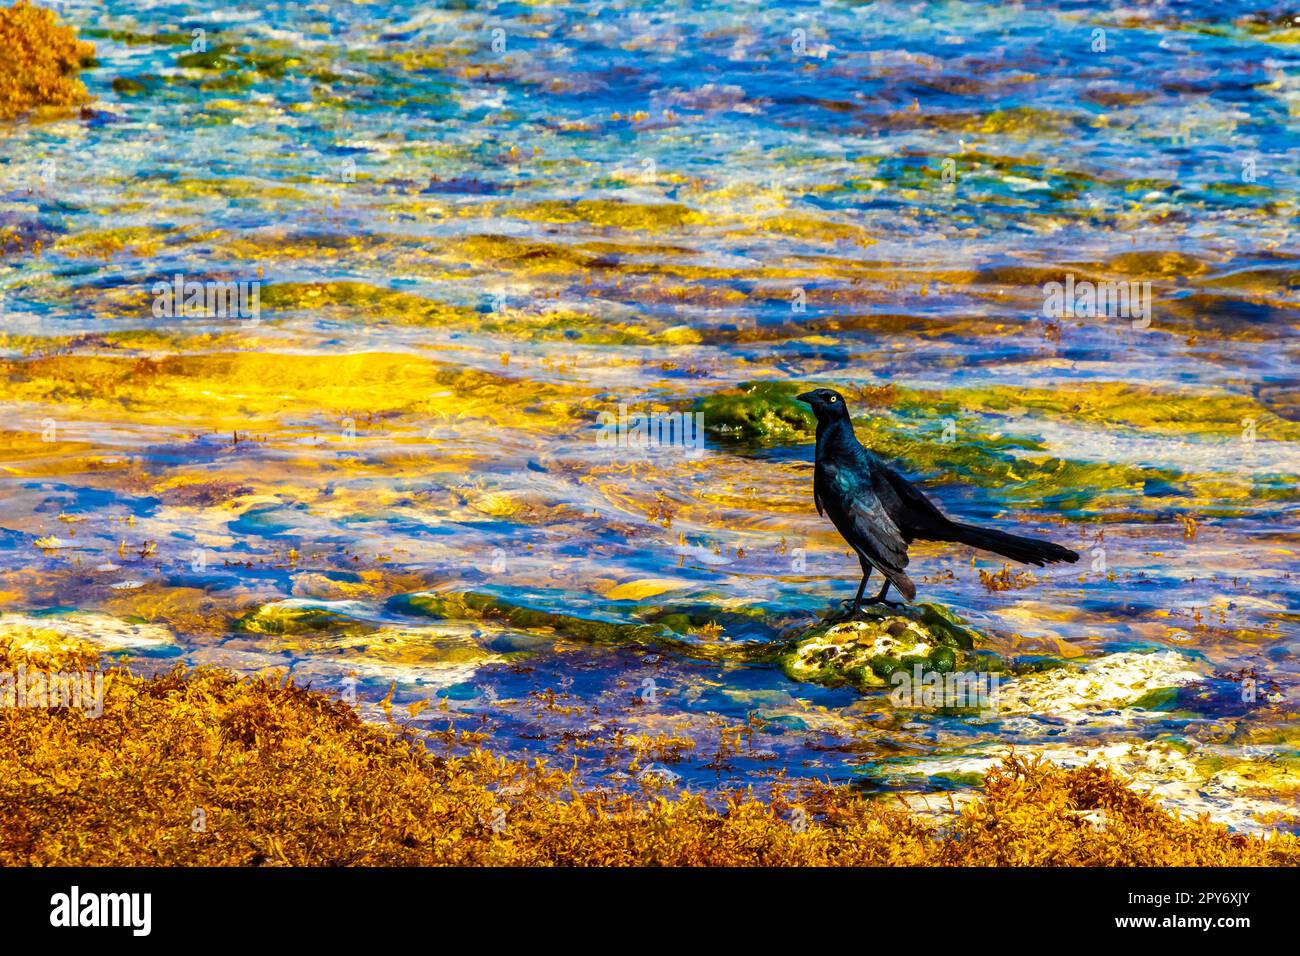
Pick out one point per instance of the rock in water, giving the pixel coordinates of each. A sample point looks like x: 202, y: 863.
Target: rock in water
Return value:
x: 864, y: 653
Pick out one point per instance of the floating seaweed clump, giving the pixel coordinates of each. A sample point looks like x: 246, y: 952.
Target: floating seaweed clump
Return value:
x: 40, y: 63
x: 263, y: 772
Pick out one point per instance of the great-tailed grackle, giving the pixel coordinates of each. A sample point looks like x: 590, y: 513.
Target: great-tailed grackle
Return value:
x: 880, y: 513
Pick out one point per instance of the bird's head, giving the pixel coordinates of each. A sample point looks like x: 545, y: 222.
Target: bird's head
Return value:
x: 827, y: 404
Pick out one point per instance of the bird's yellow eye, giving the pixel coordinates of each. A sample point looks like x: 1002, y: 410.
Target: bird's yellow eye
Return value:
x: 831, y: 399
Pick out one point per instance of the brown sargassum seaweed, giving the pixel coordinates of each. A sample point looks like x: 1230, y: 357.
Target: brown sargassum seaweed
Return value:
x: 41, y: 60
x: 284, y: 775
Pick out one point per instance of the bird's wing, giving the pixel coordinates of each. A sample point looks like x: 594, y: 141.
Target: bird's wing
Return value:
x: 914, y: 513
x: 870, y: 527
x: 877, y: 535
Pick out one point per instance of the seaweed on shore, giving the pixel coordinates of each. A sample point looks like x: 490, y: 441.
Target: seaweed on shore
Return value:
x: 199, y: 767
x: 41, y: 60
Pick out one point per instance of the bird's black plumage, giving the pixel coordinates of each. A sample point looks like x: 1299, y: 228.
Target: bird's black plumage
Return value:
x: 880, y: 513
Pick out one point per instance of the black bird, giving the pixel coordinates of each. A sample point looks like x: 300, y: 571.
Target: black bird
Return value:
x: 880, y: 513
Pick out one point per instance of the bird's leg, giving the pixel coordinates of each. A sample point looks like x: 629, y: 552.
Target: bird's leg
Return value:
x: 856, y: 604
x: 880, y: 598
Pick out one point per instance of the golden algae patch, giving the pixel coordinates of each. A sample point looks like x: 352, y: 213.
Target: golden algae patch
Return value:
x: 630, y: 246
x: 1184, y: 412
x: 730, y: 195
x: 594, y: 212
x: 41, y: 60
x: 1025, y: 274
x: 523, y: 255
x: 1153, y: 263
x: 936, y: 328
x: 277, y: 244
x: 143, y: 342
x: 187, y: 610
x: 734, y: 495
x: 243, y: 62
x: 359, y: 301
x: 228, y: 188
x: 565, y: 325
x: 1020, y: 122
x: 1279, y: 281
x: 198, y: 489
x: 38, y: 453
x: 659, y: 289
x: 1263, y: 27
x: 137, y: 242
x: 418, y: 58
x: 803, y: 227
x: 364, y: 303
x: 248, y: 390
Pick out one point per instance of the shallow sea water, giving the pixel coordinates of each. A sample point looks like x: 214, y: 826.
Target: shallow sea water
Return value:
x: 469, y: 244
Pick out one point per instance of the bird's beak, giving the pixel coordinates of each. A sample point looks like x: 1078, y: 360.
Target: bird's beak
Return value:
x: 808, y: 398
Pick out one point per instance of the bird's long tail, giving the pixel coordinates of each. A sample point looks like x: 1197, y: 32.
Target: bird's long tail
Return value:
x: 1013, y: 546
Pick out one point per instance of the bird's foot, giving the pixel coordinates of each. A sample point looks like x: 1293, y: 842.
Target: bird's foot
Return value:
x: 851, y: 610
x: 885, y: 602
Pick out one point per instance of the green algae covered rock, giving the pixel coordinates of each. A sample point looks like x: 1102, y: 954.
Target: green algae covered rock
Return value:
x: 865, y: 653
x: 476, y: 605
x: 703, y: 618
x: 758, y: 411
x: 296, y: 616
